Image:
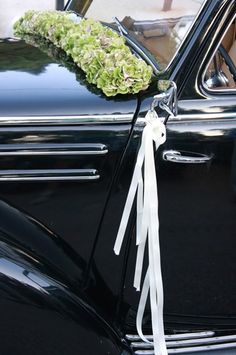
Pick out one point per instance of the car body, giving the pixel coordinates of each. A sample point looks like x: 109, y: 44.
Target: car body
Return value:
x: 67, y: 156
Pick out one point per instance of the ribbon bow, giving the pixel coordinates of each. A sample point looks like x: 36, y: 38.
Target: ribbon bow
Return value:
x: 144, y: 183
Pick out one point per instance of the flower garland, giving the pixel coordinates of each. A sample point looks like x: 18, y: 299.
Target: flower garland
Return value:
x: 98, y: 50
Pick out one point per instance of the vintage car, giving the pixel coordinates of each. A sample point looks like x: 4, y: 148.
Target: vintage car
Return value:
x: 67, y: 154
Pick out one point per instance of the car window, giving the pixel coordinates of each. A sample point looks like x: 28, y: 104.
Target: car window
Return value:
x: 159, y: 26
x: 220, y: 73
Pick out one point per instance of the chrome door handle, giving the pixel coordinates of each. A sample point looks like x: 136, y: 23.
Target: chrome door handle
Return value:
x: 185, y: 157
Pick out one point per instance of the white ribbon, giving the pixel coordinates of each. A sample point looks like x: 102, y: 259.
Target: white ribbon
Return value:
x: 144, y: 183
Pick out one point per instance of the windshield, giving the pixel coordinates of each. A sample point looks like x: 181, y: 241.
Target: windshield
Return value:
x: 159, y: 26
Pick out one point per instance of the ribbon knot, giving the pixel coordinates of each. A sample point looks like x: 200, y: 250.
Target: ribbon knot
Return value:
x: 144, y: 186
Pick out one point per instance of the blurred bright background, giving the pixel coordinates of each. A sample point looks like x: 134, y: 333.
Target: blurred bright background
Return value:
x: 11, y: 10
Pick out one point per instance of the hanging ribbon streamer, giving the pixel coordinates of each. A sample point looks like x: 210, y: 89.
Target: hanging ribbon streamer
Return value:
x: 144, y: 185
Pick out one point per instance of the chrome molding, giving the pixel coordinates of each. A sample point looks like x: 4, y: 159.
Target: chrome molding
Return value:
x: 202, y: 116
x: 49, y: 175
x: 188, y: 342
x: 66, y: 120
x: 196, y: 117
x: 210, y: 340
x: 198, y: 342
x: 181, y: 336
x: 197, y: 349
x: 52, y: 149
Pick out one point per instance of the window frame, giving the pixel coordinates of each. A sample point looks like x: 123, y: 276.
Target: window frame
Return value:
x: 206, y: 64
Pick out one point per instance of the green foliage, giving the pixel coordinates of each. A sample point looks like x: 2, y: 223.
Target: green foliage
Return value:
x: 98, y: 50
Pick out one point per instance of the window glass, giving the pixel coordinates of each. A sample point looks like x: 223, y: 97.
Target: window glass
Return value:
x: 160, y: 26
x: 221, y: 71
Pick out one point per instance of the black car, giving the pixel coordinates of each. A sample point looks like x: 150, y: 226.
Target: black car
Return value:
x: 67, y: 154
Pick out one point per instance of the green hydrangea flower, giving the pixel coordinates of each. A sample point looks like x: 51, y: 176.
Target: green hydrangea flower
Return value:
x: 98, y: 50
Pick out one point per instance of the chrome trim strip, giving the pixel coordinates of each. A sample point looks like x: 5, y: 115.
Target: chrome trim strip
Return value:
x: 66, y: 120
x: 51, y: 152
x: 49, y: 175
x: 195, y: 335
x: 212, y: 340
x: 181, y: 118
x: 141, y: 346
x: 47, y: 178
x: 180, y: 336
x: 191, y: 350
x: 52, y: 149
x: 202, y: 116
x: 188, y: 342
x: 205, y: 348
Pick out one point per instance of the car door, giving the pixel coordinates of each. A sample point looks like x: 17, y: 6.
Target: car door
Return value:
x: 196, y: 175
x: 60, y: 145
x: 197, y: 192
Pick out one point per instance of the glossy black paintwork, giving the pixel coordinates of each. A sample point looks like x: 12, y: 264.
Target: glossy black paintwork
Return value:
x: 198, y: 202
x: 42, y: 85
x: 64, y: 206
x: 207, y: 195
x: 81, y: 218
x: 72, y: 209
x: 41, y: 307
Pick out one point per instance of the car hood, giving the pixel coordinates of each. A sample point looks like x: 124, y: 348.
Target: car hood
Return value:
x: 44, y: 81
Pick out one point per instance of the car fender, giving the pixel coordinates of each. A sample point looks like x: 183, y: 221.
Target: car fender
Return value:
x: 30, y: 236
x: 37, y: 304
